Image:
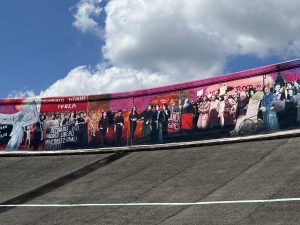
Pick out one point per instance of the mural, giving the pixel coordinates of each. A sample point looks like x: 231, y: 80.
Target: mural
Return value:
x: 256, y: 101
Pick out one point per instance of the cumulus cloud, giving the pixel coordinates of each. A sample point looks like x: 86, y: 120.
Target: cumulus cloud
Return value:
x: 85, y: 17
x: 191, y: 39
x: 152, y: 43
x: 83, y: 80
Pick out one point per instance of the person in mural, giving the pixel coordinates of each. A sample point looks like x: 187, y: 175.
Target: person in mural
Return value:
x: 157, y: 121
x: 277, y: 90
x: 214, y: 119
x: 278, y: 104
x: 88, y: 122
x: 53, y: 121
x: 42, y: 119
x: 242, y: 104
x: 26, y: 117
x: 297, y: 102
x: 103, y: 127
x: 252, y: 92
x: 296, y: 86
x: 80, y: 119
x: 204, y: 108
x: 187, y: 107
x: 195, y: 113
x: 251, y: 112
x: 146, y: 116
x: 110, y: 115
x: 37, y: 136
x: 63, y: 119
x: 269, y: 115
x: 289, y: 118
x: 174, y: 119
x: 227, y: 111
x: 290, y: 115
x: 80, y: 123
x: 72, y: 118
x: 236, y: 97
x: 180, y: 106
x: 16, y: 134
x: 166, y: 115
x: 187, y: 115
x: 174, y: 108
x: 133, y: 118
x: 118, y: 127
x: 93, y: 124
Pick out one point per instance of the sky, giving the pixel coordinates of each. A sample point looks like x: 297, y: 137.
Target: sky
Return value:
x: 74, y: 47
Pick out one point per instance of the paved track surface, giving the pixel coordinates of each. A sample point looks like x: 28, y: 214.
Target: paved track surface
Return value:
x: 251, y: 170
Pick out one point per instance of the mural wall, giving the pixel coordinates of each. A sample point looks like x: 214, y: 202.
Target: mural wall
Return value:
x: 261, y: 100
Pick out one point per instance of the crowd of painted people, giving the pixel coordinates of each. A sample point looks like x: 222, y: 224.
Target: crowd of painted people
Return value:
x: 277, y: 105
x: 280, y: 106
x: 154, y: 124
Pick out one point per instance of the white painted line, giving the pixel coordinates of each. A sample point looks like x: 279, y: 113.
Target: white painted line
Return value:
x: 159, y: 204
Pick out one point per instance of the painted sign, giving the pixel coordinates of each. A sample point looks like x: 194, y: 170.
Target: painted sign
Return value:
x: 66, y: 136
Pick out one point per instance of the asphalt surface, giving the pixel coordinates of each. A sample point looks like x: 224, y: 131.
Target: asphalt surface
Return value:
x: 242, y: 171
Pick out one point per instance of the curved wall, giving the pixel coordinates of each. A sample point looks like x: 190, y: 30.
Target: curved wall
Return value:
x: 222, y: 106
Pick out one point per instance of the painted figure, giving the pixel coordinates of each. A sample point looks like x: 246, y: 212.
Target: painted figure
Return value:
x: 157, y: 121
x: 251, y: 113
x: 204, y: 108
x: 166, y: 114
x: 269, y: 115
x: 214, y: 119
x: 103, y: 127
x: 80, y: 119
x: 16, y: 134
x: 133, y: 118
x: 63, y: 119
x: 242, y: 104
x: 187, y: 107
x: 37, y: 136
x: 53, y: 121
x: 297, y: 102
x: 227, y: 111
x: 118, y: 127
x: 72, y: 118
x: 147, y: 121
x: 278, y: 105
x: 174, y: 121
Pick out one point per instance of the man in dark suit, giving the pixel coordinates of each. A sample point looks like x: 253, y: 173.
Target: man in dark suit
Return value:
x: 119, y: 125
x: 157, y: 121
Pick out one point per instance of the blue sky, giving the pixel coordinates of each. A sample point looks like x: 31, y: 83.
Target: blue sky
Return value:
x: 42, y: 50
x: 39, y: 45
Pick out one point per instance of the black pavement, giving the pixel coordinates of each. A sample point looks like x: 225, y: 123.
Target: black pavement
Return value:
x: 242, y: 171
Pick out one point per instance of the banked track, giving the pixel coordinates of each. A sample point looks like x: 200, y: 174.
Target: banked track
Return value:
x: 256, y: 170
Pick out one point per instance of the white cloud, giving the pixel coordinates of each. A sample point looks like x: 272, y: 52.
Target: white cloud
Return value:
x: 86, y: 14
x: 190, y: 39
x: 21, y: 94
x: 83, y: 80
x: 152, y: 43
